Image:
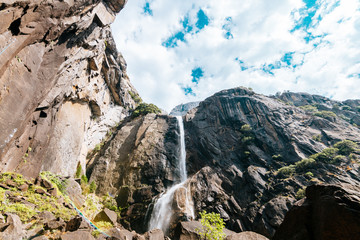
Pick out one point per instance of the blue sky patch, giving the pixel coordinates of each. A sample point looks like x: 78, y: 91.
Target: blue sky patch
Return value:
x: 196, y: 74
x: 270, y: 67
x: 310, y: 3
x: 202, y: 20
x: 242, y: 64
x: 188, y: 91
x: 147, y: 9
x: 287, y: 58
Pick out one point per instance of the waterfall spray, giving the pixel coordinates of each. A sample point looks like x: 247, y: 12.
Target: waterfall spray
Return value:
x: 163, y: 210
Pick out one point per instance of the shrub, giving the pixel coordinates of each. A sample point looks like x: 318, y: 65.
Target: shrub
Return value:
x: 285, y: 172
x: 346, y: 147
x: 277, y: 157
x: 212, y: 226
x: 317, y: 137
x: 339, y: 159
x: 300, y: 194
x: 145, y: 108
x: 346, y: 107
x: 245, y: 128
x: 135, y: 97
x: 309, y: 108
x: 326, y: 156
x: 326, y: 114
x: 84, y: 179
x: 304, y: 164
x: 60, y: 183
x: 309, y: 174
x: 93, y: 187
x: 78, y: 171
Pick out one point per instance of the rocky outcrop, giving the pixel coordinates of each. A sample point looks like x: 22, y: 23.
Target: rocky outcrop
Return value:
x: 182, y: 109
x: 63, y: 83
x: 327, y: 212
x: 237, y: 141
x: 137, y: 164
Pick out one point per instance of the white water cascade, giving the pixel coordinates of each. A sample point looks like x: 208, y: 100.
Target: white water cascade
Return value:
x: 163, y: 210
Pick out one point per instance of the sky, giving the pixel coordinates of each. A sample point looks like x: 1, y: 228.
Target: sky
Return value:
x: 187, y: 50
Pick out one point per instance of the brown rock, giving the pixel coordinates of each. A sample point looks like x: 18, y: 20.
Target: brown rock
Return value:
x: 246, y: 236
x: 53, y: 192
x: 11, y: 183
x: 13, y: 228
x: 155, y: 234
x: 46, y: 184
x: 40, y: 191
x: 190, y: 230
x: 106, y: 215
x: 77, y: 223
x: 23, y: 187
x: 45, y: 217
x: 328, y: 212
x: 56, y: 224
x: 123, y: 234
x: 77, y: 235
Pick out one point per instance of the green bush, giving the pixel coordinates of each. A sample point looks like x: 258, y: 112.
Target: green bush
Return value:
x: 317, y: 137
x: 135, y: 97
x: 326, y: 114
x: 78, y: 171
x: 285, y: 172
x: 300, y: 194
x: 346, y: 107
x: 346, y: 147
x: 245, y: 128
x: 326, y: 156
x: 309, y: 108
x: 277, y: 157
x: 145, y: 108
x: 304, y: 164
x: 339, y: 159
x: 84, y: 179
x: 212, y: 226
x: 309, y: 174
x: 92, y: 187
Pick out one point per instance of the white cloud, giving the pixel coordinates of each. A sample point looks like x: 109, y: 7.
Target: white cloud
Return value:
x: 261, y: 36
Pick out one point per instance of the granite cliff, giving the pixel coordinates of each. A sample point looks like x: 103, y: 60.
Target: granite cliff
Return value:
x: 66, y: 101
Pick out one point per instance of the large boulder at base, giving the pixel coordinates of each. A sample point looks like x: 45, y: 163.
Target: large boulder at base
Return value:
x: 246, y: 236
x: 155, y: 234
x: 329, y: 212
x: 106, y: 215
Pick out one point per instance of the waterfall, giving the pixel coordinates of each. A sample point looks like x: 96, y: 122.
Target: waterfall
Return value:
x: 163, y: 209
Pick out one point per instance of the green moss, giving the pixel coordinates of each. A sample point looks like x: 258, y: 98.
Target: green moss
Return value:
x: 23, y: 211
x: 92, y: 187
x: 104, y: 225
x: 78, y: 171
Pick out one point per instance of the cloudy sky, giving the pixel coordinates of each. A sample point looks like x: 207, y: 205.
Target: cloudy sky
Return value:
x: 185, y: 50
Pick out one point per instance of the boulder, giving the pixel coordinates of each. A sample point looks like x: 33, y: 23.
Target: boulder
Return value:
x: 80, y: 234
x: 106, y: 215
x: 77, y: 223
x: 13, y: 229
x: 155, y: 234
x: 56, y: 224
x: 328, y: 212
x: 74, y: 192
x: 246, y: 236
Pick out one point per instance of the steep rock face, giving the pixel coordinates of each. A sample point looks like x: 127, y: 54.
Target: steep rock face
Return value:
x: 236, y: 141
x: 137, y: 164
x: 182, y: 109
x: 63, y: 83
x: 327, y: 212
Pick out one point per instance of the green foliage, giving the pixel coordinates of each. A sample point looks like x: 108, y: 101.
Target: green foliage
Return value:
x: 339, y: 159
x: 277, y: 157
x: 104, y: 225
x: 23, y: 211
x: 135, y: 97
x: 285, y: 172
x: 346, y: 147
x: 317, y: 137
x: 304, y: 164
x: 84, y: 179
x: 95, y: 233
x: 300, y: 194
x: 212, y: 226
x: 92, y: 187
x: 326, y: 114
x: 309, y: 174
x: 145, y: 108
x: 78, y: 171
x: 109, y: 202
x: 309, y: 108
x: 247, y: 139
x: 326, y: 156
x: 245, y: 128
x: 60, y: 183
